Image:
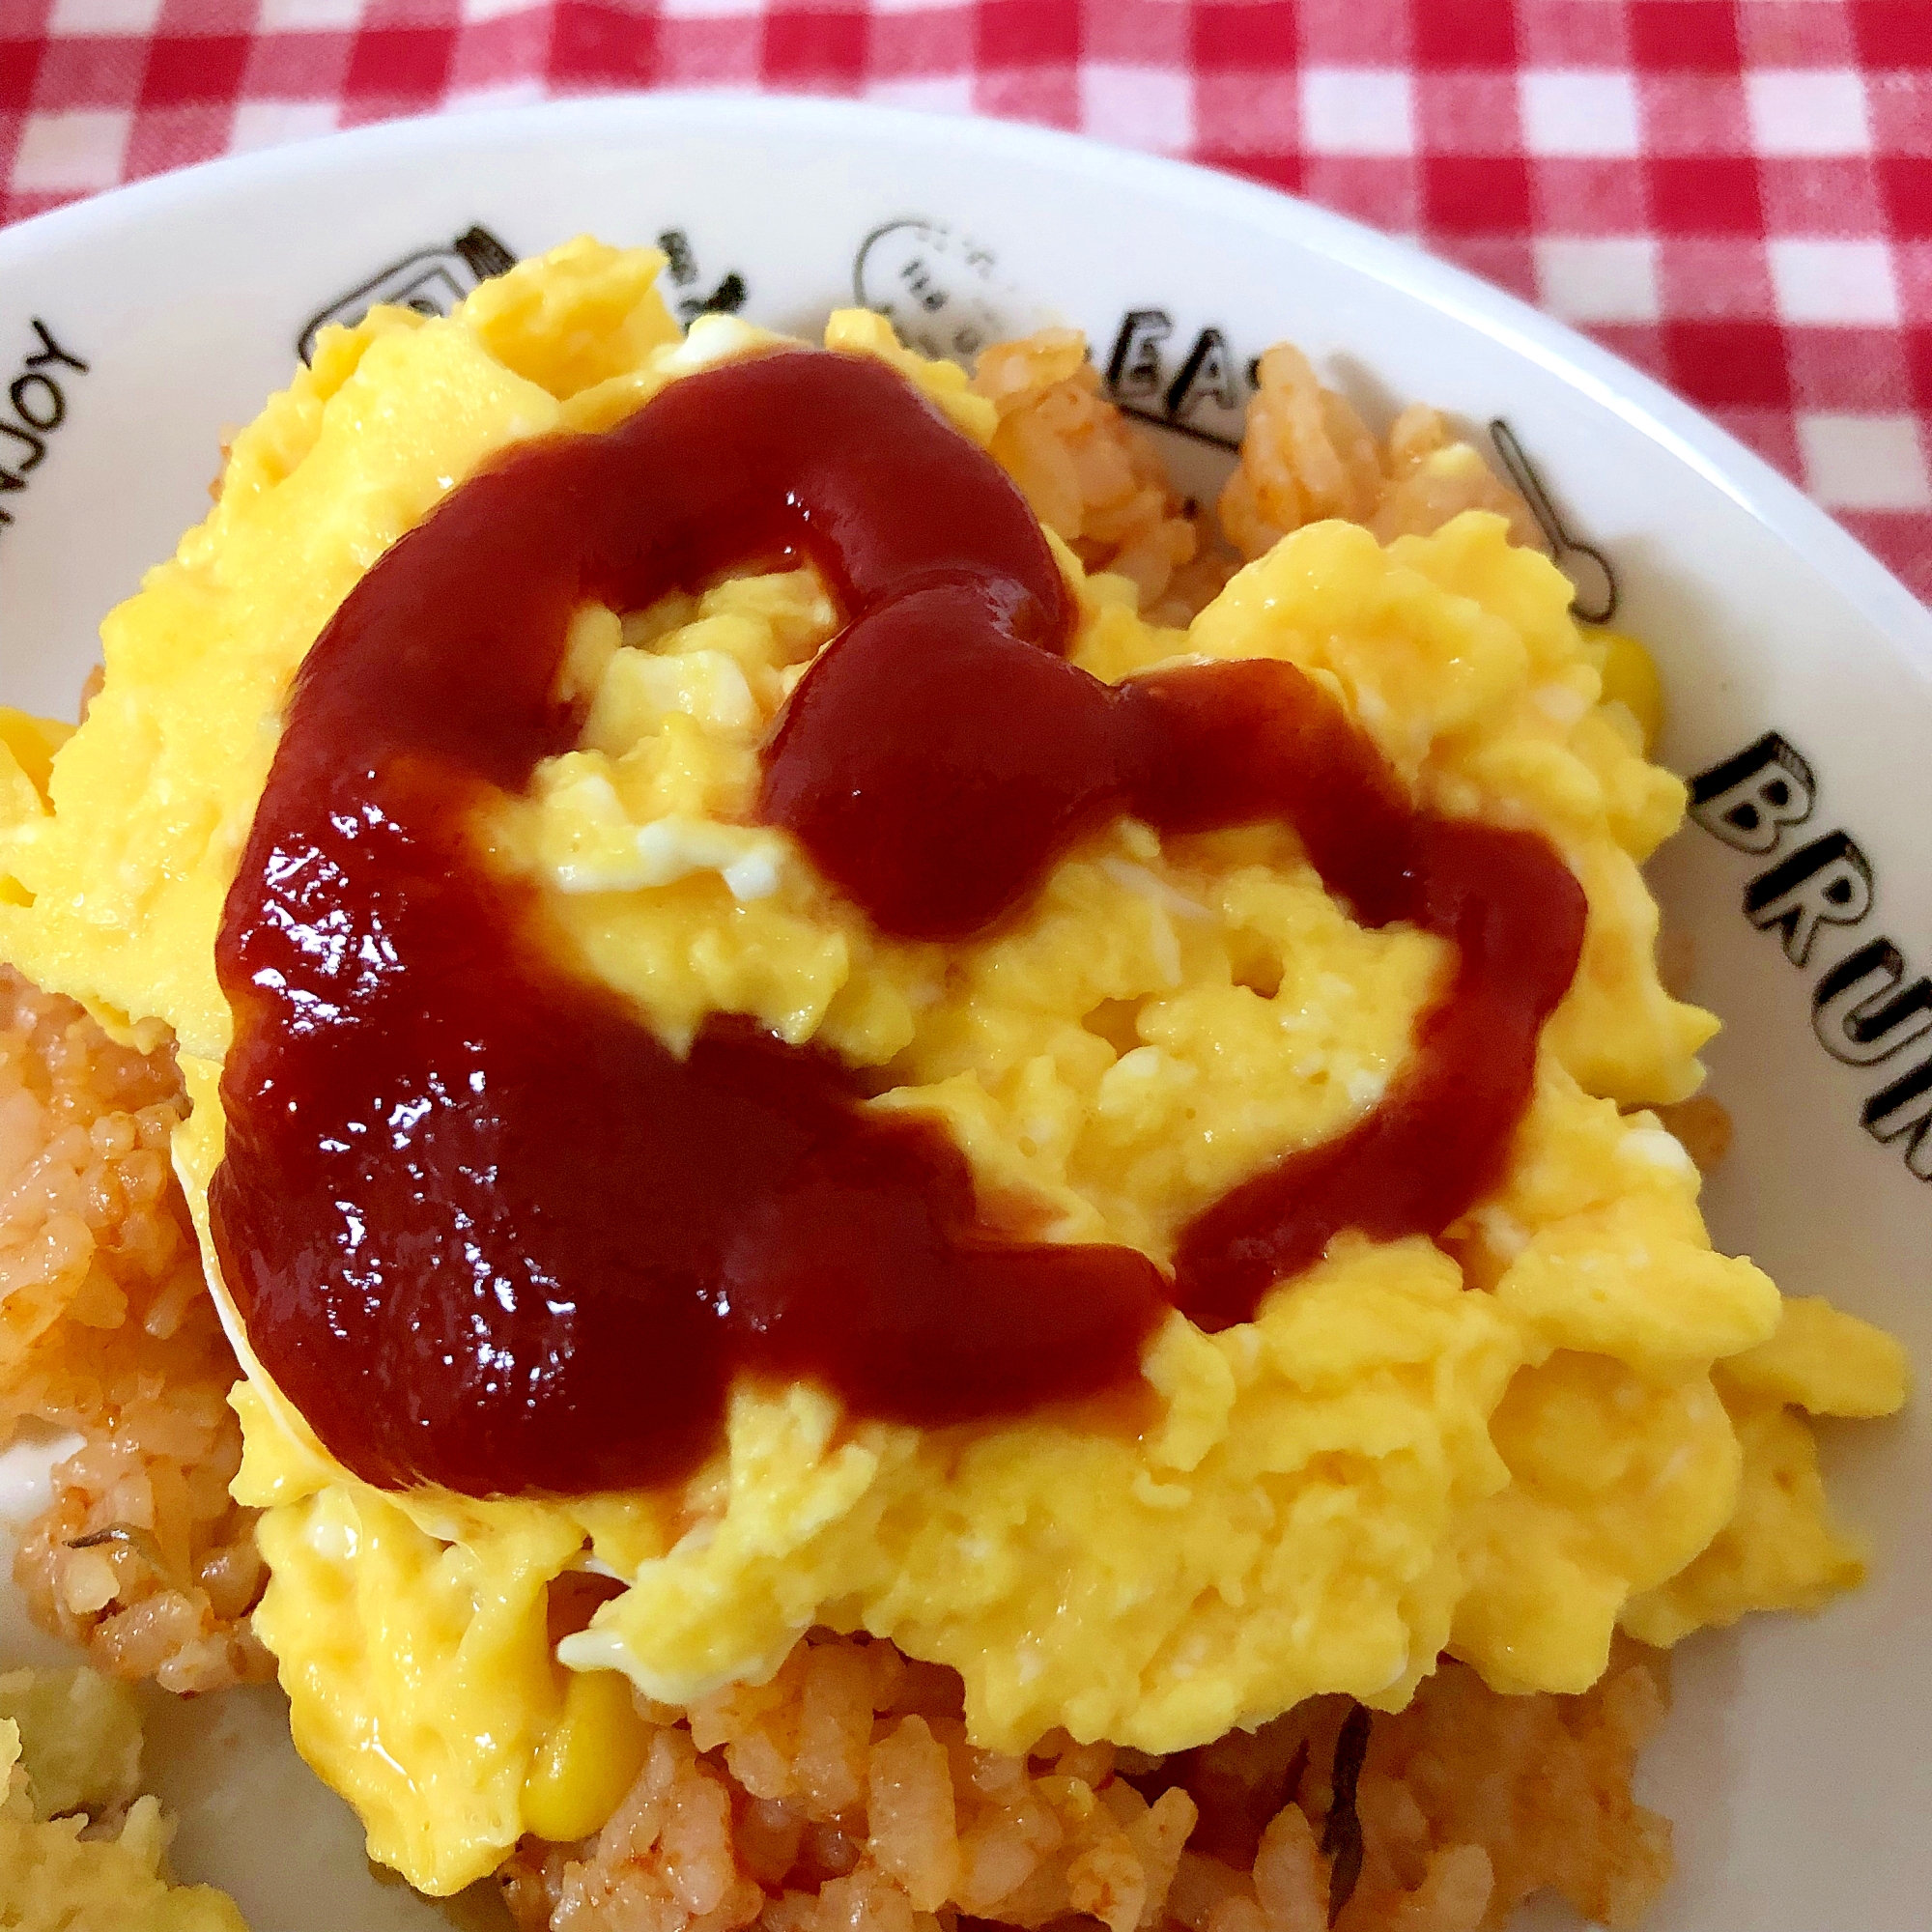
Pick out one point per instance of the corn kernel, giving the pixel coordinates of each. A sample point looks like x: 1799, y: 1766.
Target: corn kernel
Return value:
x: 589, y: 1759
x: 1630, y: 677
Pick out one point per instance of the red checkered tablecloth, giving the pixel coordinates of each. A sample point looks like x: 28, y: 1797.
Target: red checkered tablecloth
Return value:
x: 1736, y: 194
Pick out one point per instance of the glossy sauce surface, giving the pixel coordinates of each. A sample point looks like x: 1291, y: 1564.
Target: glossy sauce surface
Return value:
x: 486, y: 1230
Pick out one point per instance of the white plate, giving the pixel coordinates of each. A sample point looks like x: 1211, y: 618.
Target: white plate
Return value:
x: 1795, y: 1764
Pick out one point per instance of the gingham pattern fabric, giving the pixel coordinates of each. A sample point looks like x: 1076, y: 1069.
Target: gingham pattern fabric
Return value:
x: 1736, y: 194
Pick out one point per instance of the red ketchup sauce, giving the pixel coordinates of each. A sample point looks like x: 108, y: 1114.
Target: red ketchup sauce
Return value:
x: 486, y: 1230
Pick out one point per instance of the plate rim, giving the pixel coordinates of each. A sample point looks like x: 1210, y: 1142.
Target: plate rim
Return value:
x: 1400, y: 265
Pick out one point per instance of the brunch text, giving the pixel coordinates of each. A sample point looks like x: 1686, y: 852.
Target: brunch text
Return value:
x: 1863, y: 1008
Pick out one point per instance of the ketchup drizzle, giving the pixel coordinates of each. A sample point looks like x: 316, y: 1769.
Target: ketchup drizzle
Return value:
x: 485, y: 1231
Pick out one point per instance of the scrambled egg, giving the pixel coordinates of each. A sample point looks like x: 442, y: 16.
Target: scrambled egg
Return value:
x: 69, y: 1764
x: 1569, y: 1416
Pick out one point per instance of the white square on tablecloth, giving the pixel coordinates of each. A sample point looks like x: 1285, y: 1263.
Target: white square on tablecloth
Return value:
x: 1137, y: 106
x: 270, y: 123
x: 929, y: 93
x: 477, y: 10
x: 1357, y: 110
x: 103, y: 16
x: 64, y: 154
x: 1577, y: 111
x: 1864, y: 463
x: 1846, y: 283
x: 1801, y: 111
x: 284, y: 16
x: 492, y: 93
x: 1613, y: 279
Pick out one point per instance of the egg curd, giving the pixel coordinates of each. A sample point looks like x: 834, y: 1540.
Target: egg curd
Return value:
x: 1569, y: 1416
x: 80, y: 1850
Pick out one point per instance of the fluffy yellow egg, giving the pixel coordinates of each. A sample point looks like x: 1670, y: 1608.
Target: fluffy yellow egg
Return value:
x: 80, y: 1850
x: 1630, y: 679
x: 1567, y: 1415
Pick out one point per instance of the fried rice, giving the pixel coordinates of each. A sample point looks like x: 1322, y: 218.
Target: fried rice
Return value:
x: 845, y: 1797
x: 844, y: 1794
x: 108, y: 1329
